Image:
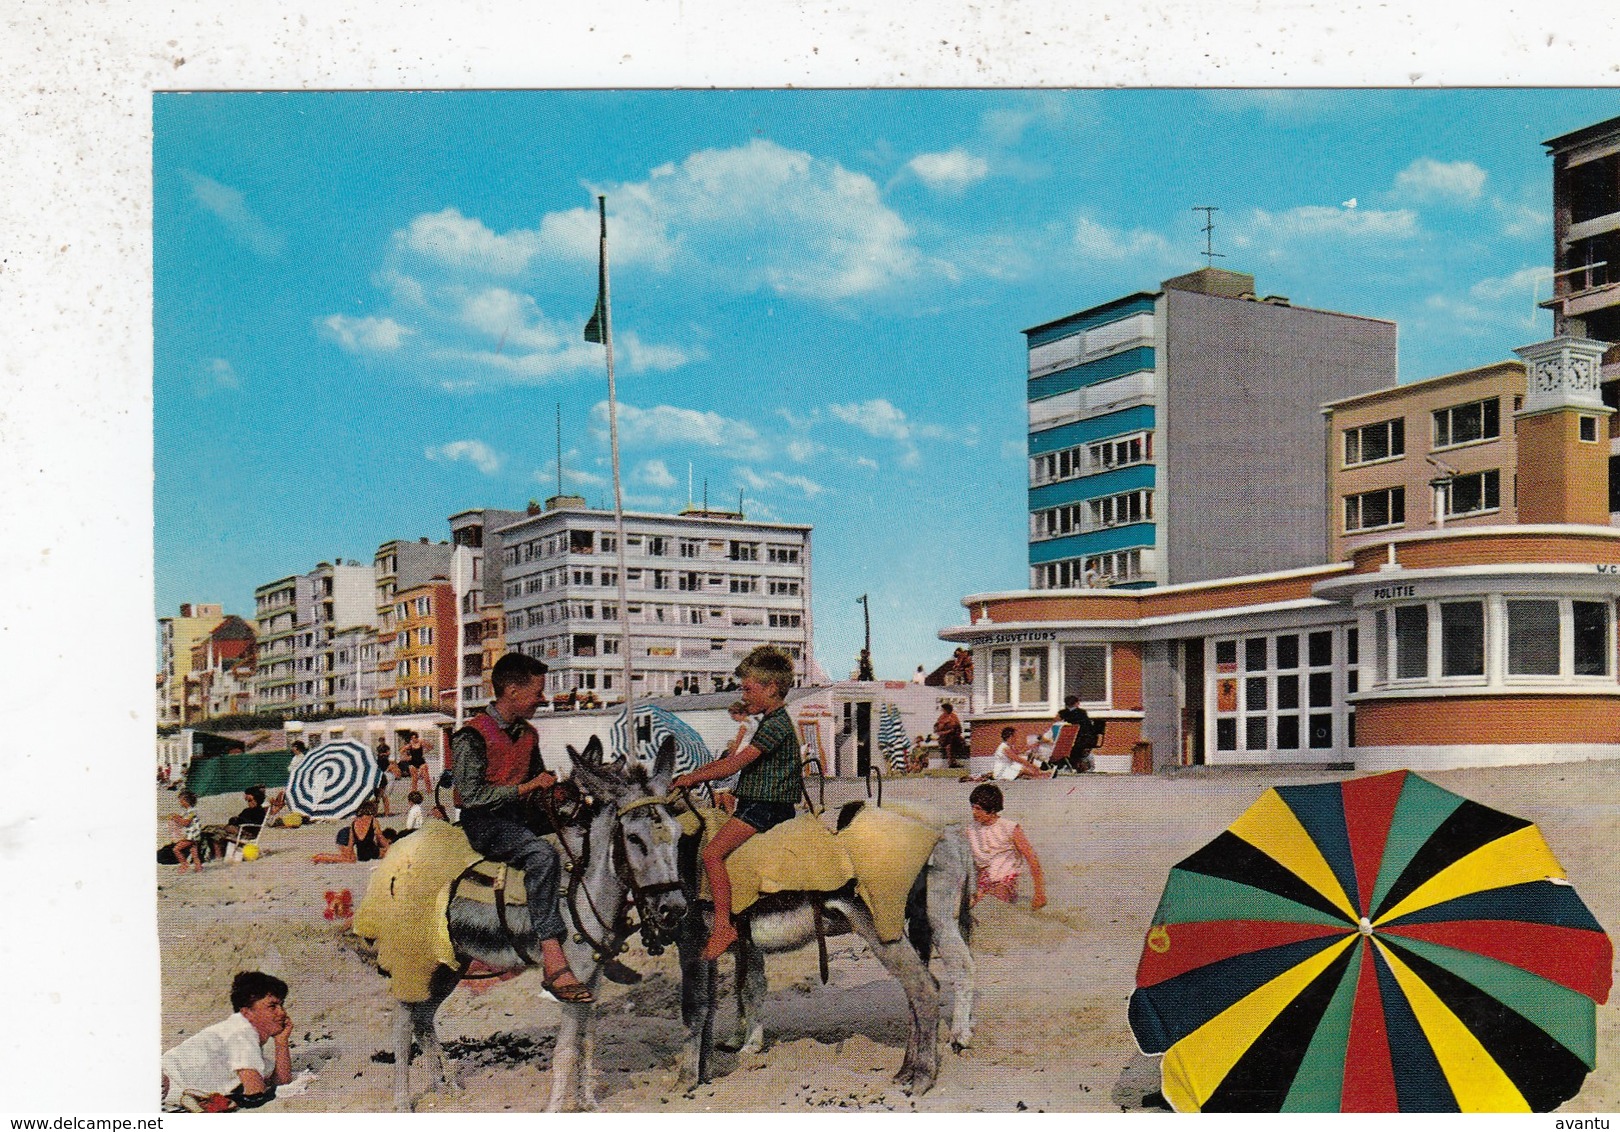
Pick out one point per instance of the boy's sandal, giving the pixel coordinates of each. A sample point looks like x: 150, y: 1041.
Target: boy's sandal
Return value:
x: 575, y: 992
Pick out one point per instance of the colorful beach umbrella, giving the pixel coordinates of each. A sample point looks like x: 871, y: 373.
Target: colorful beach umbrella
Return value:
x: 690, y: 750
x: 1374, y: 945
x: 333, y: 780
x: 892, y: 738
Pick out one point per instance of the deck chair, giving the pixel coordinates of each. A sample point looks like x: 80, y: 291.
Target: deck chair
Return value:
x: 1073, y: 746
x: 243, y: 835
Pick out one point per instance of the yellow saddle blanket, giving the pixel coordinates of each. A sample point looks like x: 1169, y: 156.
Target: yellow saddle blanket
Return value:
x: 405, y: 908
x: 796, y: 856
x: 881, y: 850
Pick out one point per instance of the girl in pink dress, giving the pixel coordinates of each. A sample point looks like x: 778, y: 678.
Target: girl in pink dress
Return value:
x: 997, y: 846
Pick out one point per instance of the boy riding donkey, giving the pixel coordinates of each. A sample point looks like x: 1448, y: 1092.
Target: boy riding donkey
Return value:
x: 498, y: 764
x: 769, y: 784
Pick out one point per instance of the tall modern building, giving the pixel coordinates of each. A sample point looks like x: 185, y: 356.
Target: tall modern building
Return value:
x: 400, y: 565
x: 279, y: 608
x: 1176, y: 435
x: 703, y: 588
x: 177, y: 636
x: 482, y: 593
x: 1586, y: 259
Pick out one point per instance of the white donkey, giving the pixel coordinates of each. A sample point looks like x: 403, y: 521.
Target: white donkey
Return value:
x: 937, y: 914
x: 620, y: 849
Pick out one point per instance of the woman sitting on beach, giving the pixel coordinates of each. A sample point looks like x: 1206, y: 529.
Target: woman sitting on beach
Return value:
x: 997, y: 846
x: 361, y: 840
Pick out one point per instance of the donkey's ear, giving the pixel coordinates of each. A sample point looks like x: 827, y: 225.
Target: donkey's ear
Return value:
x: 591, y: 754
x: 664, y: 763
x: 590, y: 778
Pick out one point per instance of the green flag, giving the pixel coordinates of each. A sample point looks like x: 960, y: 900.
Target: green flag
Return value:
x: 593, y: 328
x: 596, y: 330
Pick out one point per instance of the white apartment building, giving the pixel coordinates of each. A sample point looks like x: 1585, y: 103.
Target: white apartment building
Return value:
x: 703, y: 588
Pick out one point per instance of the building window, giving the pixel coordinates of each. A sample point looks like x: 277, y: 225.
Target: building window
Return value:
x: 743, y: 585
x: 1592, y: 648
x: 1032, y: 686
x: 1001, y: 676
x: 1371, y: 443
x: 1589, y: 429
x: 690, y: 580
x: 784, y: 589
x: 1374, y: 509
x: 1085, y: 673
x: 744, y: 551
x: 1462, y: 638
x: 1532, y: 638
x: 1117, y: 510
x: 424, y: 635
x: 1464, y: 424
x: 1475, y: 493
x: 784, y: 554
x: 690, y: 548
x: 785, y: 620
x: 657, y: 545
x: 1411, y: 642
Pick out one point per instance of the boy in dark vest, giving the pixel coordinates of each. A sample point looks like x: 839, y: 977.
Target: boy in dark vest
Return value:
x: 769, y: 779
x: 497, y: 764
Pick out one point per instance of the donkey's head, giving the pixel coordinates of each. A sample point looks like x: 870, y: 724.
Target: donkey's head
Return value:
x: 646, y: 831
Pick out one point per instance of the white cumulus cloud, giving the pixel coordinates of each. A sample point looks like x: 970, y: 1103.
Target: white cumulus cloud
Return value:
x: 764, y: 217
x: 1312, y: 220
x: 368, y: 334
x: 954, y: 169
x: 655, y: 473
x: 231, y: 208
x: 670, y: 424
x: 474, y: 452
x: 1428, y: 179
x: 1519, y: 284
x: 878, y: 417
x: 1099, y: 241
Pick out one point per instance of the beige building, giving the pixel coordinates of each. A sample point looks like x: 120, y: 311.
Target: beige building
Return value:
x: 1424, y: 455
x: 177, y: 636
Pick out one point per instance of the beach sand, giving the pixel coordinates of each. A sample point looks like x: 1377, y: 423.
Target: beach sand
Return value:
x: 1051, y: 1031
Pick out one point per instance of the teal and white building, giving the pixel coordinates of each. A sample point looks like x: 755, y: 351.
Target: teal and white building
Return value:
x: 1177, y: 435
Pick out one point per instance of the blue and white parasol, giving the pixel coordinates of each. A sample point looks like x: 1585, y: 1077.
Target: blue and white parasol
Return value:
x: 333, y: 780
x: 892, y: 738
x: 690, y: 750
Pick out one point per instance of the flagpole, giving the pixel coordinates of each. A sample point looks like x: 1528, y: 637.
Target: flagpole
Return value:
x: 605, y: 331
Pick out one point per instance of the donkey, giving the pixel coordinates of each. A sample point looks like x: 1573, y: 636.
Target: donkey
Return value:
x: 620, y: 850
x: 937, y: 912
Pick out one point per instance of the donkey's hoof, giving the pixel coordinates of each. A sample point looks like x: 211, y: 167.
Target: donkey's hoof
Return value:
x: 962, y: 1043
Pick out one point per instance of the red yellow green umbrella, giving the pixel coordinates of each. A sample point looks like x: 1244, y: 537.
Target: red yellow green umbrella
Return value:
x: 1374, y: 945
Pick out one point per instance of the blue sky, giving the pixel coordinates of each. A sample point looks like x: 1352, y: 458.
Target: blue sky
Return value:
x: 368, y: 306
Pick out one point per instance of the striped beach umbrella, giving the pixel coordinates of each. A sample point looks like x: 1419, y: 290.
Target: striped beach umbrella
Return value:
x: 332, y: 780
x: 1374, y: 945
x: 690, y: 749
x: 892, y: 738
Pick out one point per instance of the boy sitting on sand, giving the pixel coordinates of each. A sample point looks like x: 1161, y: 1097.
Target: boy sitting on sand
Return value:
x: 997, y: 846
x: 769, y: 779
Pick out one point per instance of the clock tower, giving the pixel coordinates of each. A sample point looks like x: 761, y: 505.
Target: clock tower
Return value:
x: 1563, y: 434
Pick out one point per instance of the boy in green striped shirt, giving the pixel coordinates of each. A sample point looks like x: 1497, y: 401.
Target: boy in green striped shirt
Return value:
x: 769, y: 780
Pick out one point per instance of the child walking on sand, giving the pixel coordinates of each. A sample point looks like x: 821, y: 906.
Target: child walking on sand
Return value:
x: 997, y: 846
x: 769, y: 779
x: 188, y: 827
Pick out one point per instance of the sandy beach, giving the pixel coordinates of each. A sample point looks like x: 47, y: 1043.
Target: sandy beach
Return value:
x: 1051, y: 1031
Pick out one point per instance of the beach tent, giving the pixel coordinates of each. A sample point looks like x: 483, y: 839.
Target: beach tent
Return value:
x: 219, y: 765
x: 1373, y: 945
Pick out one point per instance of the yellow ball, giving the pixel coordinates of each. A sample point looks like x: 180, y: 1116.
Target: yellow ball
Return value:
x: 250, y: 852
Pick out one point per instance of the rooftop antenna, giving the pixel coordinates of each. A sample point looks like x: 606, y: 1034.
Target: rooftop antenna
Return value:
x: 1209, y: 253
x: 705, y: 493
x: 559, y: 447
x: 739, y: 501
x: 689, y: 485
